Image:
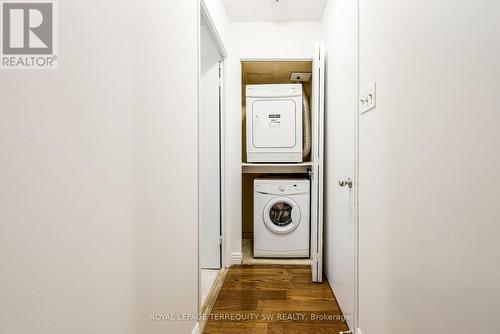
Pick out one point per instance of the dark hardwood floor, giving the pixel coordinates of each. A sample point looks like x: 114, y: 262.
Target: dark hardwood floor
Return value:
x: 274, y: 299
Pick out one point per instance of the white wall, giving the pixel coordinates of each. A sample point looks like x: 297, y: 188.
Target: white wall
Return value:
x: 274, y: 39
x: 257, y: 40
x: 429, y: 185
x: 166, y: 162
x: 67, y: 244
x: 97, y: 197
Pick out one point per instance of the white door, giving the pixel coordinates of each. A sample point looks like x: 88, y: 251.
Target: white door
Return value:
x: 209, y: 153
x: 341, y: 102
x: 318, y: 90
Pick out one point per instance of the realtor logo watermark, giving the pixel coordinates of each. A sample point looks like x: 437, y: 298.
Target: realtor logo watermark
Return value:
x: 28, y: 34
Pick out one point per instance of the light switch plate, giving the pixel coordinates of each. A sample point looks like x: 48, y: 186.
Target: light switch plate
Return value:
x: 368, y: 100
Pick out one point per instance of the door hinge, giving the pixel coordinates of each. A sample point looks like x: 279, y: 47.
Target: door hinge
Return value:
x: 220, y: 240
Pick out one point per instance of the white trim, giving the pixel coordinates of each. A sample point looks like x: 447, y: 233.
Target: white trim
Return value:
x: 236, y: 258
x: 358, y: 331
x: 196, y: 329
x: 211, y: 298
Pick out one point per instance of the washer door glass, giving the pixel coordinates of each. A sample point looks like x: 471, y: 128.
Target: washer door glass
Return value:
x: 281, y: 215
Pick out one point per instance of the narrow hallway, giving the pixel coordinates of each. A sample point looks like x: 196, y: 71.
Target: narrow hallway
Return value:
x: 249, y: 167
x: 274, y: 299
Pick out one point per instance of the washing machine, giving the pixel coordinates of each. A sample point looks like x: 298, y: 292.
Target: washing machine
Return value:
x: 274, y: 123
x: 281, y: 218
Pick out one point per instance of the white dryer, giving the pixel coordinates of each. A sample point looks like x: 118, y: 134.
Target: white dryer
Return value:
x: 281, y: 218
x: 274, y: 123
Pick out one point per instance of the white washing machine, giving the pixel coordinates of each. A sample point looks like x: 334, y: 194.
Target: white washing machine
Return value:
x: 274, y: 123
x: 281, y: 218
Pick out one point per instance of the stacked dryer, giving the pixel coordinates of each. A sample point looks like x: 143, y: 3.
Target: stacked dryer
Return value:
x: 274, y: 123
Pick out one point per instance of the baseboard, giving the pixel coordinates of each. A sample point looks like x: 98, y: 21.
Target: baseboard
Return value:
x: 236, y: 258
x: 211, y: 299
x: 196, y: 329
x: 206, y: 308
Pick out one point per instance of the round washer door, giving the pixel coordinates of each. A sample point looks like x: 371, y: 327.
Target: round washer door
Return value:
x: 281, y: 215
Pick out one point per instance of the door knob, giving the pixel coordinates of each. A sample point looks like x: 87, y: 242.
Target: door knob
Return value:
x: 347, y: 182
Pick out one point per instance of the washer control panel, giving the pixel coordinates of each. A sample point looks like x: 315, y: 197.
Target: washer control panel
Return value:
x: 283, y: 188
x: 289, y: 188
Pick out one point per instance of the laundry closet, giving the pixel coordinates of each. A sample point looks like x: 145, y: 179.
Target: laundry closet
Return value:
x: 281, y: 161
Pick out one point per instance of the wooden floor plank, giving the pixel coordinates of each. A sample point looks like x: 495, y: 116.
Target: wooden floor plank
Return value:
x: 235, y: 328
x: 306, y: 328
x: 274, y: 299
x: 237, y: 301
x: 292, y: 305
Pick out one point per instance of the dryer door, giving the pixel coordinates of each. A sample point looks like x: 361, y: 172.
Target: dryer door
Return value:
x: 274, y: 123
x: 281, y: 215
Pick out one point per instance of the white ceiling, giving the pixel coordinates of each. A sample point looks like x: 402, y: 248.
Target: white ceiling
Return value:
x: 270, y: 10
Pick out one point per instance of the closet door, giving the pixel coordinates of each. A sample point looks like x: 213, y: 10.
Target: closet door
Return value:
x: 318, y: 90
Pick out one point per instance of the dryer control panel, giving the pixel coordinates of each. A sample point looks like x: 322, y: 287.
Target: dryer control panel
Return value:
x: 276, y: 90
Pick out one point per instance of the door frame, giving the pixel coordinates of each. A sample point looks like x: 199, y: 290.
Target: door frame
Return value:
x: 204, y: 14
